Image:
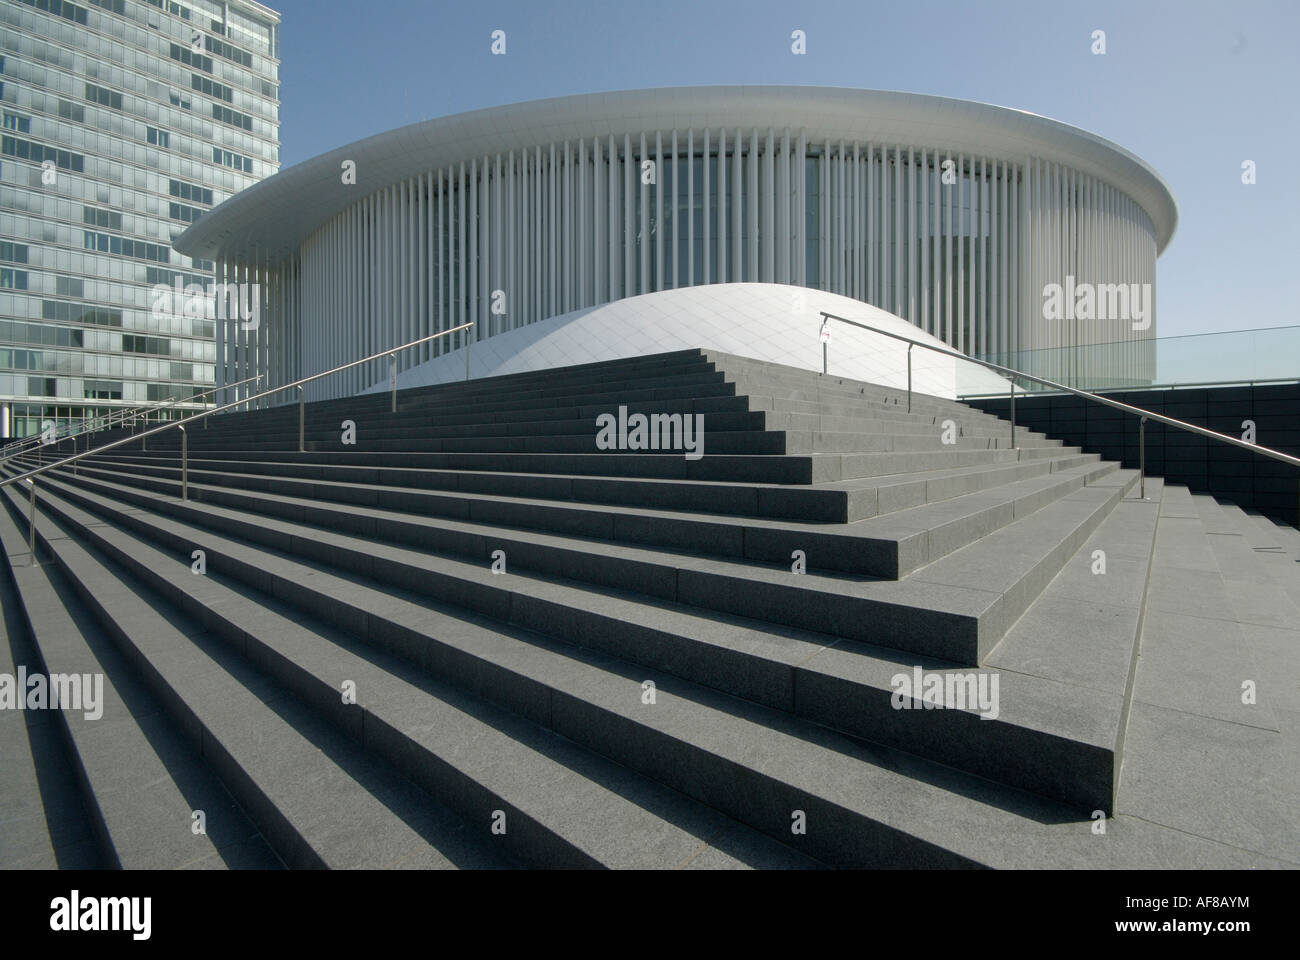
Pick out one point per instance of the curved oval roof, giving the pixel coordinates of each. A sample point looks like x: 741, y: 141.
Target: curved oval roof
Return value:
x: 271, y: 218
x: 770, y: 322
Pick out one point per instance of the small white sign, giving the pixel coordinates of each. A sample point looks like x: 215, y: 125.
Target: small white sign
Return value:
x: 826, y: 334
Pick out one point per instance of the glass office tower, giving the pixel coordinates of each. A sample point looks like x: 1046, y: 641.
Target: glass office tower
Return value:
x: 124, y: 122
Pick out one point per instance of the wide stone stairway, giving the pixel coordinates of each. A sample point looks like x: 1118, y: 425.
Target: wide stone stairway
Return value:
x: 471, y: 638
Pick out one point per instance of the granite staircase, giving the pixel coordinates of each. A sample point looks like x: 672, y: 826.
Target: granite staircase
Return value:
x: 473, y: 638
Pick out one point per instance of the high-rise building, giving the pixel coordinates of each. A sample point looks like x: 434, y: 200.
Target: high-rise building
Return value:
x: 125, y: 121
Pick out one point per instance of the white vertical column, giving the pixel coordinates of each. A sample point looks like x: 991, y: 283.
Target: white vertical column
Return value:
x: 461, y: 260
x: 552, y: 238
x: 909, y: 232
x: 424, y: 265
x: 801, y: 204
x: 508, y: 229
x: 994, y: 265
x: 782, y: 200
x: 1077, y: 331
x: 417, y: 274
x: 629, y: 222
x: 395, y: 285
x: 643, y: 232
x: 533, y: 267
x: 767, y: 229
x: 527, y: 263
x: 737, y: 238
x: 567, y: 226
x: 381, y: 287
x: 1056, y: 331
x: 1011, y: 188
x: 888, y: 219
x: 438, y: 252
x: 1041, y: 267
x: 825, y: 207
x: 530, y: 262
x: 722, y: 205
x: 474, y: 253
x: 900, y: 248
x: 963, y: 247
x: 525, y: 258
x: 923, y: 236
x: 612, y: 291
x: 383, y: 282
x: 356, y: 316
x: 447, y: 250
x: 668, y: 182
x: 690, y: 209
x: 1003, y: 184
x: 1094, y: 255
x: 599, y: 292
x: 981, y: 344
x: 936, y: 244
x: 345, y: 325
x: 1037, y: 335
x: 706, y: 205
x: 659, y: 208
x: 410, y: 254
x: 752, y: 182
x: 873, y: 270
x: 857, y: 208
x: 1015, y: 260
x: 384, y: 264
x: 975, y: 338
x: 385, y: 215
x: 988, y: 269
x: 583, y: 297
x: 839, y: 242
x: 401, y: 251
x: 950, y: 234
x: 371, y: 253
x: 489, y: 266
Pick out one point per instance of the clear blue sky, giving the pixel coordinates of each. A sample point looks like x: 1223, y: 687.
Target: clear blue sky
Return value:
x: 1194, y: 88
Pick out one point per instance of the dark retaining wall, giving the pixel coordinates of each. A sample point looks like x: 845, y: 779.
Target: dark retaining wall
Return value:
x: 1202, y: 464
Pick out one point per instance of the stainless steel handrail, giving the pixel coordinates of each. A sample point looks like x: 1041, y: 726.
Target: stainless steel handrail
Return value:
x: 116, y: 417
x: 229, y: 406
x: 1145, y: 415
x: 1156, y: 385
x: 30, y: 475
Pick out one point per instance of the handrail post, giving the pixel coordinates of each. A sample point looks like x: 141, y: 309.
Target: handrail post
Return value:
x: 138, y: 419
x: 1013, y: 413
x: 909, y: 378
x: 1142, y: 458
x: 31, y: 525
x: 392, y: 378
x: 469, y: 342
x: 302, y: 421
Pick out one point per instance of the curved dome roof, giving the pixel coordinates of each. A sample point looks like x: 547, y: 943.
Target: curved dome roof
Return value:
x: 273, y: 217
x: 770, y: 322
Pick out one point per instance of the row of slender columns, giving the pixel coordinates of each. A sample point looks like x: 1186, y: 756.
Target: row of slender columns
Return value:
x: 962, y: 246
